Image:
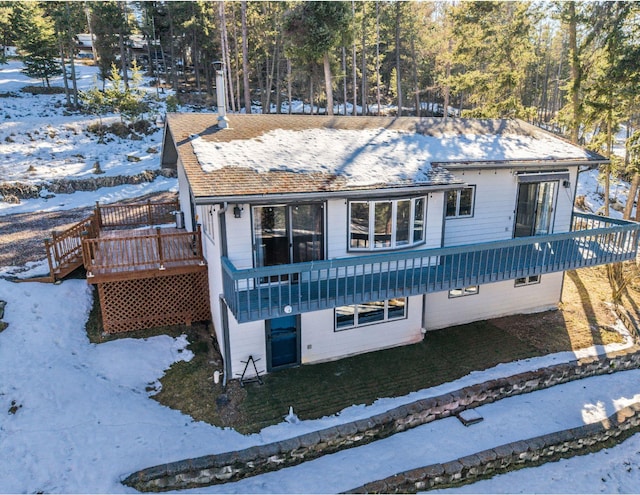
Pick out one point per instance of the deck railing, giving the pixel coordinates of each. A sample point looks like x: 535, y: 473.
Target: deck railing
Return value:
x: 135, y: 215
x: 149, y: 249
x: 269, y: 292
x: 64, y: 249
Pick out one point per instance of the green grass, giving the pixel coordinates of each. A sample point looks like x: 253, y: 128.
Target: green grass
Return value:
x: 326, y: 388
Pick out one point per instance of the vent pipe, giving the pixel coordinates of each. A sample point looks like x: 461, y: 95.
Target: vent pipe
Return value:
x: 221, y: 92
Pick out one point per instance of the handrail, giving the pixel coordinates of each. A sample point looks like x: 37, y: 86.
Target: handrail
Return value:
x: 264, y: 292
x: 66, y: 246
x: 265, y: 271
x: 135, y: 214
x: 143, y: 251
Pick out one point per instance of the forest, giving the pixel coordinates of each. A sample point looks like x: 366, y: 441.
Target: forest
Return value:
x: 570, y: 67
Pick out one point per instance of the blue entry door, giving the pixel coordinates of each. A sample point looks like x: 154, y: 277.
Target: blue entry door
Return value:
x: 283, y: 342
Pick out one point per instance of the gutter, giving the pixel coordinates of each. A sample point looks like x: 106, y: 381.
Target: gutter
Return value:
x: 541, y: 164
x: 318, y: 195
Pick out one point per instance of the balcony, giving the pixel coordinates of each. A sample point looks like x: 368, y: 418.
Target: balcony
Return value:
x: 270, y: 292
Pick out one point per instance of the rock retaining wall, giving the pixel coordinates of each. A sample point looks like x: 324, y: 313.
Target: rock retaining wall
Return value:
x: 14, y: 192
x: 525, y: 453
x: 233, y: 466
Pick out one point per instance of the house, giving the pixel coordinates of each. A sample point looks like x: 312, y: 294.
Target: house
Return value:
x: 327, y: 237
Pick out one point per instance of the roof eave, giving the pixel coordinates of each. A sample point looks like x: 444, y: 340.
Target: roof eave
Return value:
x: 540, y: 164
x: 314, y: 196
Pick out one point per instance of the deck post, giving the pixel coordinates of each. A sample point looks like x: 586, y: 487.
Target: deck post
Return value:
x: 47, y: 246
x: 159, y: 242
x: 87, y: 256
x: 56, y: 253
x: 149, y: 215
x: 98, y: 216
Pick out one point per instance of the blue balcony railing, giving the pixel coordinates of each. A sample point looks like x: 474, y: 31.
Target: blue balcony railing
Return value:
x: 269, y: 292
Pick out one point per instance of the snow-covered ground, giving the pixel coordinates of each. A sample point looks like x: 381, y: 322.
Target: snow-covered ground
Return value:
x: 76, y: 417
x: 39, y: 141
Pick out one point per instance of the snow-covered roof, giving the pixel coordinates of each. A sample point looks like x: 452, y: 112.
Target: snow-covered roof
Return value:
x: 267, y: 154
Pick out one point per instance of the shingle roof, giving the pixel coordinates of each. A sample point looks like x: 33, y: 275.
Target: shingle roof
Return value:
x: 239, y: 180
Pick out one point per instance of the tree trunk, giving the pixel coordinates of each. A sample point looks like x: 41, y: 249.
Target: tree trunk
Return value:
x: 576, y: 78
x: 327, y: 81
x: 363, y: 75
x: 344, y: 79
x: 245, y: 60
x: 225, y: 54
x: 633, y: 190
x: 354, y: 63
x: 67, y: 94
x: 378, y: 100
x: 398, y: 70
x: 415, y: 75
x: 236, y: 56
x: 278, y: 96
x: 123, y: 53
x: 174, y: 76
x: 289, y: 90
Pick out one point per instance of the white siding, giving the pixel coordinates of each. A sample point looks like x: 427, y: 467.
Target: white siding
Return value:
x: 494, y: 206
x: 184, y: 196
x: 336, y: 231
x: 247, y: 339
x: 319, y: 341
x: 493, y: 300
x: 435, y: 215
x: 564, y: 206
x: 212, y: 254
x: 239, y: 237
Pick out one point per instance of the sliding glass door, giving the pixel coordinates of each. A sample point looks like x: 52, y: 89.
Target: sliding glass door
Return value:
x: 534, y: 211
x: 286, y: 234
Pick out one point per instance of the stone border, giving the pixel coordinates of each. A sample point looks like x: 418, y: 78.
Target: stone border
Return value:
x: 14, y: 192
x: 236, y: 465
x: 525, y: 453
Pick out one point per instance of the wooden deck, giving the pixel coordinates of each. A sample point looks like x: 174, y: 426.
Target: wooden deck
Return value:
x: 118, y: 242
x: 146, y: 275
x: 142, y: 253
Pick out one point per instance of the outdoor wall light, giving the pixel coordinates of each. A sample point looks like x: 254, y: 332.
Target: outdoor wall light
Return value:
x: 237, y: 211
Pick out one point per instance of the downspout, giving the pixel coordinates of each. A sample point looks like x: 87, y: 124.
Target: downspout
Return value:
x: 226, y: 358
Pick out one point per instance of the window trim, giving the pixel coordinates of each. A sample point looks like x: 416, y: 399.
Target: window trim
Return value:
x: 527, y: 281
x: 470, y: 290
x: 371, y: 234
x: 356, y: 324
x: 458, y: 193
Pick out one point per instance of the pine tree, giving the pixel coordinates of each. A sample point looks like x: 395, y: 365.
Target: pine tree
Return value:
x: 36, y: 41
x: 314, y: 29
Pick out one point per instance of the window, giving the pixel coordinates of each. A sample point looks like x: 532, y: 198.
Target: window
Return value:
x: 464, y: 291
x: 208, y: 218
x: 387, y: 224
x: 530, y: 280
x: 358, y: 315
x: 460, y: 202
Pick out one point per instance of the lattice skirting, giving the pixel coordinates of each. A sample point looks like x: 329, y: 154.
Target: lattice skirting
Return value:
x: 129, y: 305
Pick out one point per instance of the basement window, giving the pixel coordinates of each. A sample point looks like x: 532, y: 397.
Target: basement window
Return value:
x: 530, y: 280
x: 358, y: 315
x: 464, y: 291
